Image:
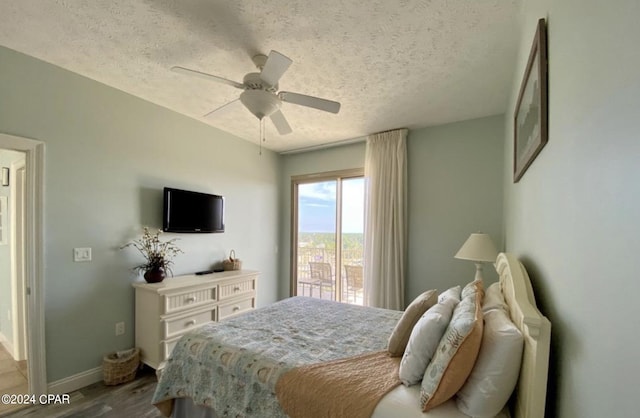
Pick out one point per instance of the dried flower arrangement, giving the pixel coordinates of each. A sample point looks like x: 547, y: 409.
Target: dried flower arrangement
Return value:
x: 158, y: 254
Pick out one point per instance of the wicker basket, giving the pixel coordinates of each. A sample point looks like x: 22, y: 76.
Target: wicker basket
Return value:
x: 232, y: 263
x: 120, y: 367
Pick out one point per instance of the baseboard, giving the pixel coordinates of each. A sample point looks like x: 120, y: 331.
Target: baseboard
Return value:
x: 6, y: 344
x: 75, y: 382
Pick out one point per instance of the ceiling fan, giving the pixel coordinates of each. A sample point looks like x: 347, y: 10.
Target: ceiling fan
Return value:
x: 261, y: 95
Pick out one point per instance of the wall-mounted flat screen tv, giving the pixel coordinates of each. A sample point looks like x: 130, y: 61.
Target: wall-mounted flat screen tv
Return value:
x: 192, y: 212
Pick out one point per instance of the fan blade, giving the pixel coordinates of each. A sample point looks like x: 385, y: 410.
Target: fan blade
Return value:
x: 224, y: 106
x: 206, y: 76
x: 280, y: 122
x: 310, y: 101
x: 273, y: 69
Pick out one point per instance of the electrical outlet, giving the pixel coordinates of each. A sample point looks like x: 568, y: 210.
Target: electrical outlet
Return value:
x: 81, y: 254
x: 119, y: 328
x: 8, y: 314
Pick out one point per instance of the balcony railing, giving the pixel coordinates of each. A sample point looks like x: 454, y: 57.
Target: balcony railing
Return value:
x: 308, y: 285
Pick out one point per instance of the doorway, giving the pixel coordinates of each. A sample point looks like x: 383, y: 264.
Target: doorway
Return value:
x: 26, y: 198
x: 328, y: 236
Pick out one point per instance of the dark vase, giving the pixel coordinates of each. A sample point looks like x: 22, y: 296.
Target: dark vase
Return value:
x: 154, y: 275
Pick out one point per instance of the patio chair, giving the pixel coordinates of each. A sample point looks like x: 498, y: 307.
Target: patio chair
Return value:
x: 309, y: 282
x: 354, y: 279
x: 322, y: 275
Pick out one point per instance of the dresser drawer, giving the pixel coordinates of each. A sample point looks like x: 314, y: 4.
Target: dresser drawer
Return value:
x: 168, y: 346
x: 237, y: 307
x: 238, y: 288
x: 175, y: 326
x: 187, y: 300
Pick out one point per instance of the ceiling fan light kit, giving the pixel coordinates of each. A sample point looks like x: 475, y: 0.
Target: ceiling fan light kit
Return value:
x: 261, y: 96
x: 260, y: 102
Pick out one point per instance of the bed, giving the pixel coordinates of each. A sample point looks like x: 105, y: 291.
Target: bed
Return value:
x: 232, y: 368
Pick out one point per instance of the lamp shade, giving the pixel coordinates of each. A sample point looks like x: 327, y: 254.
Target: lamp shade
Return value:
x: 478, y: 247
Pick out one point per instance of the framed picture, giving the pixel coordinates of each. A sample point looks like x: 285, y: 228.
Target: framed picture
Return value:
x: 530, y: 128
x: 5, y: 176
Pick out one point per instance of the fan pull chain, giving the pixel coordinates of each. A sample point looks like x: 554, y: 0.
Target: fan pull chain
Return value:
x: 261, y: 140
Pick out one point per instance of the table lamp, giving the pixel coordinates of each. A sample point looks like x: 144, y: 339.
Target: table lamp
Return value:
x: 478, y: 248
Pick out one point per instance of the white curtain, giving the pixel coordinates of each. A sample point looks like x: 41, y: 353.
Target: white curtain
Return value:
x: 385, y: 170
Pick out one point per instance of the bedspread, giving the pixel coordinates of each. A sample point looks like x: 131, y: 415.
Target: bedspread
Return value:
x: 233, y: 366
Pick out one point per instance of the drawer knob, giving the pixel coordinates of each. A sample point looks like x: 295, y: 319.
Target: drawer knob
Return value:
x: 236, y: 289
x: 190, y: 299
x: 192, y: 322
x: 236, y: 308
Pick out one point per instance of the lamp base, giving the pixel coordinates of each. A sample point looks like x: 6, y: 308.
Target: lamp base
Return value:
x: 478, y: 272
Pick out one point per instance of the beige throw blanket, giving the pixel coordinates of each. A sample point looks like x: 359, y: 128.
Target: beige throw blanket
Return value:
x: 349, y: 388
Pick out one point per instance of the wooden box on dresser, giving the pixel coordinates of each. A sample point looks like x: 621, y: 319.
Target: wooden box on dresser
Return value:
x: 167, y: 310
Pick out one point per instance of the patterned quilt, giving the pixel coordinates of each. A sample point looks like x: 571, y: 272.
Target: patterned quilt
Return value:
x: 233, y: 366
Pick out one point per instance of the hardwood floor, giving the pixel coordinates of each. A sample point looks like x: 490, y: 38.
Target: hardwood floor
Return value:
x: 131, y: 399
x: 13, y: 378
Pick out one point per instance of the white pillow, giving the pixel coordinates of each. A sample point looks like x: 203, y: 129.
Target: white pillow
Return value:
x: 452, y: 292
x: 471, y: 288
x: 493, y: 299
x: 424, y: 340
x: 496, y: 370
x: 402, y: 331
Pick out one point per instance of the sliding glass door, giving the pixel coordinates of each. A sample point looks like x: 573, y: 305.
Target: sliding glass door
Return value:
x: 328, y: 236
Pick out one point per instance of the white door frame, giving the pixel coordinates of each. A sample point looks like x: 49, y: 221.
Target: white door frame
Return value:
x: 18, y: 285
x: 34, y: 255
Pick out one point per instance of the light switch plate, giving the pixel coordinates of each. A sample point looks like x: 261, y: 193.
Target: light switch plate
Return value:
x: 81, y: 254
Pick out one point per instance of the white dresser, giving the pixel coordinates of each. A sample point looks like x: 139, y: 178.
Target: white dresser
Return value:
x: 166, y: 310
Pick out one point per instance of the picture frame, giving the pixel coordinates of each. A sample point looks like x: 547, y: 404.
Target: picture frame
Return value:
x: 530, y: 119
x: 5, y: 176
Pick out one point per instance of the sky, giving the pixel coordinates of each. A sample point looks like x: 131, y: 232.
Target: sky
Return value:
x: 317, y: 206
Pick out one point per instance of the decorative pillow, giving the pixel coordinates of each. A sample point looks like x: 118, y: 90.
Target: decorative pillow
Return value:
x: 402, y: 331
x: 455, y: 355
x: 496, y: 371
x: 453, y: 292
x: 493, y: 299
x: 472, y: 287
x: 424, y: 340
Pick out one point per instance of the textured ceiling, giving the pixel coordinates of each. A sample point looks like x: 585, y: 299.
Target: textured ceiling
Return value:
x: 392, y: 64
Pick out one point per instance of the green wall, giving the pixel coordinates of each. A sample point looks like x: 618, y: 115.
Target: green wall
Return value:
x: 455, y: 188
x: 108, y: 156
x: 573, y: 218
